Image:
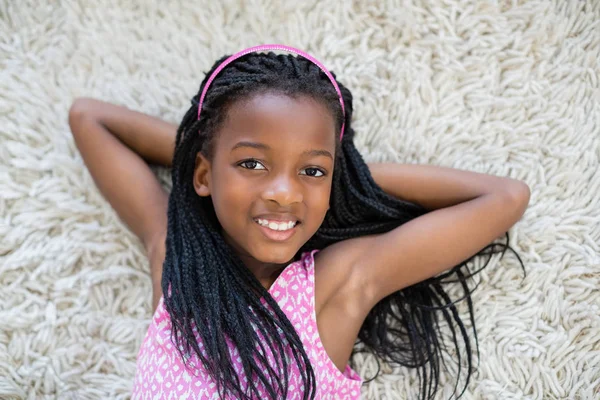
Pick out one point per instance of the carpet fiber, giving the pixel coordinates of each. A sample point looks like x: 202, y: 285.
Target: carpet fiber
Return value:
x: 499, y: 87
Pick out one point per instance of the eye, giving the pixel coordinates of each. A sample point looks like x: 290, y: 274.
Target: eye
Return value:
x: 251, y: 164
x: 314, y: 172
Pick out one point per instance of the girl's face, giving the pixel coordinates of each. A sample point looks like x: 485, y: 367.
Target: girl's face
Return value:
x: 270, y: 175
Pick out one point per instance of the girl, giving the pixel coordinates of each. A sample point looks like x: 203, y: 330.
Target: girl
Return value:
x: 278, y: 247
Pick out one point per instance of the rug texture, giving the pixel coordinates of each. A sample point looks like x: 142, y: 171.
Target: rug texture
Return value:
x: 509, y: 88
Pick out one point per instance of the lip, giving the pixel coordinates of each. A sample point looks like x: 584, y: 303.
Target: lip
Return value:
x: 277, y: 236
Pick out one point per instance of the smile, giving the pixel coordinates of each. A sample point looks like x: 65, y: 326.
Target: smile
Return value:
x: 278, y: 231
x: 275, y: 225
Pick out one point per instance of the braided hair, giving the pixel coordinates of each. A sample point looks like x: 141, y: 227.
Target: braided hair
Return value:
x: 208, y: 290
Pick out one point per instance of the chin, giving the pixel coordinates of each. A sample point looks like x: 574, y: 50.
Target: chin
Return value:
x: 276, y: 256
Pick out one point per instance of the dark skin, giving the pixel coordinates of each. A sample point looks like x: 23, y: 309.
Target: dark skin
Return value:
x: 468, y: 210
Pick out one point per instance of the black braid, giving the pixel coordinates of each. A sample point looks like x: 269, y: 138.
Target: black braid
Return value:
x: 211, y: 288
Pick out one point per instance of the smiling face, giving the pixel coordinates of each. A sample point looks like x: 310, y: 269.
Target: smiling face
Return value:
x: 270, y: 175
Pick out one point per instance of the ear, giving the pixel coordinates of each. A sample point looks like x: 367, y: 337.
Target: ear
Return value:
x: 202, y: 182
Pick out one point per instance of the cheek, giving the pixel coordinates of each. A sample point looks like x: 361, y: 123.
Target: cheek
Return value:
x: 229, y: 194
x: 319, y: 204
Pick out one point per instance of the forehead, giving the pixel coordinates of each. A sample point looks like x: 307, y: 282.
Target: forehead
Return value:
x: 279, y: 120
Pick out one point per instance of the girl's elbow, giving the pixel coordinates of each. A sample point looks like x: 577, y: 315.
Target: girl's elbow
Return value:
x: 519, y: 195
x: 522, y: 193
x: 76, y: 110
x: 82, y: 105
x: 80, y: 109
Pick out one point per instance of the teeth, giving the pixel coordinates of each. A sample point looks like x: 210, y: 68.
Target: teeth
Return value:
x: 277, y: 226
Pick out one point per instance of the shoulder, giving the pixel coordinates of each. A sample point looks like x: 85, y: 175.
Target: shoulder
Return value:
x: 337, y: 279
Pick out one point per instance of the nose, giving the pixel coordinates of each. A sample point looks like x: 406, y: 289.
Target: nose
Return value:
x: 284, y: 190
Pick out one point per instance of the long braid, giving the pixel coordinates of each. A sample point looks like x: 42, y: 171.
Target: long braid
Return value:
x: 207, y: 286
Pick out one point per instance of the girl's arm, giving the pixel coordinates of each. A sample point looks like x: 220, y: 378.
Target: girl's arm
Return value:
x: 468, y: 211
x: 116, y: 143
x: 435, y: 187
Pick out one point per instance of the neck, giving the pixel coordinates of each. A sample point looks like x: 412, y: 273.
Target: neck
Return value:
x: 266, y: 273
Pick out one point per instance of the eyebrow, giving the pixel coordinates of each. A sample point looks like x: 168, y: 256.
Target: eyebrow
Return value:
x: 262, y: 146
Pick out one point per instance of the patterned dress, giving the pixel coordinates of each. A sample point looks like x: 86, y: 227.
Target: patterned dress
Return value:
x: 161, y: 373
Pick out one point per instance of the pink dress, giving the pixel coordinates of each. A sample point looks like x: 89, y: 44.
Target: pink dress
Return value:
x: 161, y: 374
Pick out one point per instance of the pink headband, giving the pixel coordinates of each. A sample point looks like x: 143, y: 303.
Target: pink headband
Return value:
x: 273, y: 47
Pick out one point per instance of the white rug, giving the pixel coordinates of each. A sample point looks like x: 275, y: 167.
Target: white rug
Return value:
x: 506, y: 88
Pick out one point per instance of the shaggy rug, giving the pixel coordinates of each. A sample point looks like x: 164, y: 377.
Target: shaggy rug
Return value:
x: 509, y: 88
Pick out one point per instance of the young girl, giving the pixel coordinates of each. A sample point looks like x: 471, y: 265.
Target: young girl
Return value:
x: 278, y: 247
